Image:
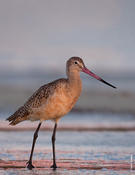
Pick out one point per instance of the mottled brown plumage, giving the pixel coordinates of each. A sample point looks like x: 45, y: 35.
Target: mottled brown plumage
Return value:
x: 52, y: 101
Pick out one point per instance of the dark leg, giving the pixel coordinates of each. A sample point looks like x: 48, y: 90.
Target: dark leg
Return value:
x: 29, y: 163
x: 54, y: 166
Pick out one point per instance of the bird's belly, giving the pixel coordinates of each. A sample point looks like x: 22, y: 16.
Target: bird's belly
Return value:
x: 55, y: 108
x: 59, y: 107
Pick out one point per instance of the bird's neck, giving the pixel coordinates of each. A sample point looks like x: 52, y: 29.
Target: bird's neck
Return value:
x: 75, y: 82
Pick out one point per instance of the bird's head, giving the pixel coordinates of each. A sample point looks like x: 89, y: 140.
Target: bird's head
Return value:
x: 76, y: 64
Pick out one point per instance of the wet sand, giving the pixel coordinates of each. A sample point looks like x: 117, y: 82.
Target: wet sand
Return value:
x: 70, y: 164
x: 76, y: 153
x: 81, y: 147
x: 66, y: 166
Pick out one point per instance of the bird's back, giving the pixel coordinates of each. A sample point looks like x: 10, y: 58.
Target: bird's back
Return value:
x: 53, y: 100
x: 36, y: 101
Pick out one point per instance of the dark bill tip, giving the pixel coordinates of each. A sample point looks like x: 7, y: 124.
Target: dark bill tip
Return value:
x: 103, y: 81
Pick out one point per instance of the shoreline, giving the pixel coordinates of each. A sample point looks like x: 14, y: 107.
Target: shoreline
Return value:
x: 27, y: 126
x: 69, y: 164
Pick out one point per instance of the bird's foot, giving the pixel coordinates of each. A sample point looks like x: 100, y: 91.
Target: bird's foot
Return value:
x: 29, y: 165
x: 54, y: 166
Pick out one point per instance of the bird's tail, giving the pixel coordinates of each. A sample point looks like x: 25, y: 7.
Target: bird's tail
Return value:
x: 19, y: 116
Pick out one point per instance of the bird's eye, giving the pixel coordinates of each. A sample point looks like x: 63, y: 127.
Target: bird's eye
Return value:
x: 76, y: 62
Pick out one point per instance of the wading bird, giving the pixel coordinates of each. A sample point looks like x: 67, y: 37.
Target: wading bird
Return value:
x: 53, y: 100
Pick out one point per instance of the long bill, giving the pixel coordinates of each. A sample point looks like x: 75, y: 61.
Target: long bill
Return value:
x: 87, y: 71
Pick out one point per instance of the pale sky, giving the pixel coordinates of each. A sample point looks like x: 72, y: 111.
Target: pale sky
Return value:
x: 43, y: 34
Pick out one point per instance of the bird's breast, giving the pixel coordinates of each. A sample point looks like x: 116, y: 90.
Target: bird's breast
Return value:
x: 58, y: 105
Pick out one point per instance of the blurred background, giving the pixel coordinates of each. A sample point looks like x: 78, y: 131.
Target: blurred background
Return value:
x: 37, y: 38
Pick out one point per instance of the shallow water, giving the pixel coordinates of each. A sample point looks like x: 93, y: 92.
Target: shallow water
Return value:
x: 86, y: 145
x: 94, y: 146
x: 65, y: 172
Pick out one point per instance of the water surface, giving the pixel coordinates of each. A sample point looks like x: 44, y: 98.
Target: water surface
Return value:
x: 72, y: 145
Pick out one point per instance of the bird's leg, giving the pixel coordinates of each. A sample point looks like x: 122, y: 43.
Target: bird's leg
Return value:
x: 54, y: 166
x: 29, y: 163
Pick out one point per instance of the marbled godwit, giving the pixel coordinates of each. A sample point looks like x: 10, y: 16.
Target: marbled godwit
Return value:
x: 53, y: 100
